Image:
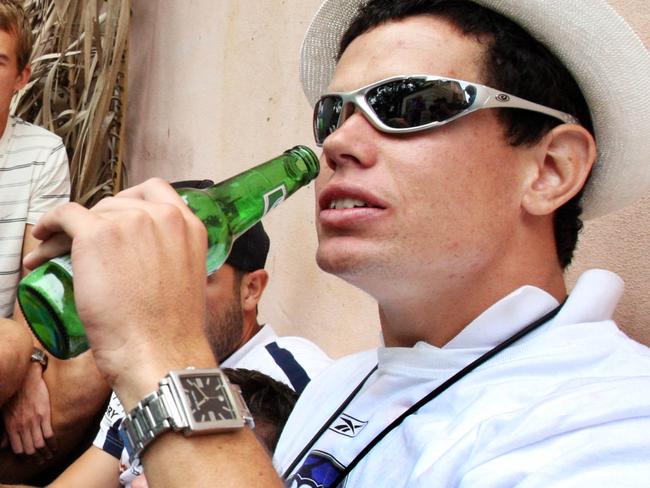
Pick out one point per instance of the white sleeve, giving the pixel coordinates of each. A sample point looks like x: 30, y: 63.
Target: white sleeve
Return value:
x: 607, y: 455
x: 51, y: 187
x: 108, y: 439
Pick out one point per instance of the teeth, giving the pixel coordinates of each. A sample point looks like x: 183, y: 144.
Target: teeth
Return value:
x: 347, y: 203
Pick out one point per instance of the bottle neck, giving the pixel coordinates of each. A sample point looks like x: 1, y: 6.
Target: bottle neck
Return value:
x: 250, y: 195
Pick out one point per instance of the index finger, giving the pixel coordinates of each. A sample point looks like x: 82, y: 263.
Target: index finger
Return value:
x: 67, y: 220
x: 153, y: 190
x: 156, y: 190
x: 70, y: 219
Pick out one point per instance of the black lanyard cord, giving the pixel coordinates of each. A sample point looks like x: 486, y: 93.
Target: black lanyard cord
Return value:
x: 326, y: 425
x: 423, y: 401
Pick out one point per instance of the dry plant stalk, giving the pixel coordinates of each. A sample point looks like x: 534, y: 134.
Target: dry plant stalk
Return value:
x: 78, y: 88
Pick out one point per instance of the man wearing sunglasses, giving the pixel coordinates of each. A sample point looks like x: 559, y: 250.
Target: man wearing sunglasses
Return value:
x: 460, y: 224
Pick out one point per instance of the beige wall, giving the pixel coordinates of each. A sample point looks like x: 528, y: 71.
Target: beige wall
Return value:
x: 213, y: 89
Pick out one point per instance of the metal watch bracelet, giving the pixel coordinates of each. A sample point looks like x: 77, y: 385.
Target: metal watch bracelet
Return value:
x: 149, y: 419
x: 164, y: 410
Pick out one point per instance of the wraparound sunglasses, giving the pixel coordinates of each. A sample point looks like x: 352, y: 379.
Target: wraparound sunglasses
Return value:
x: 404, y: 104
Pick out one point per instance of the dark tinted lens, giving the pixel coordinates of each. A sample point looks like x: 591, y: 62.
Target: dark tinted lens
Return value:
x: 449, y: 99
x: 326, y: 117
x: 413, y: 102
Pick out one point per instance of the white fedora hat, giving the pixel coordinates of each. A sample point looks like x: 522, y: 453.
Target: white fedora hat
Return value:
x: 601, y: 43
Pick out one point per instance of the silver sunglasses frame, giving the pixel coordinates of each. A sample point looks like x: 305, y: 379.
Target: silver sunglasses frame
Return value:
x: 486, y: 97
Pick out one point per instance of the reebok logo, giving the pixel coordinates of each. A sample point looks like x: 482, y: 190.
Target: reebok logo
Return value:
x: 348, y: 426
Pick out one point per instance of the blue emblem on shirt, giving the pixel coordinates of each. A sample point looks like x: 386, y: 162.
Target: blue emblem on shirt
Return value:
x: 319, y: 470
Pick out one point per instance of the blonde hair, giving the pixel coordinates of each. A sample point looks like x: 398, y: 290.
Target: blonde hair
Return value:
x: 13, y: 20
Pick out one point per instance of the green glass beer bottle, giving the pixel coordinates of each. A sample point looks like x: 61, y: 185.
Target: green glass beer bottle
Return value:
x: 228, y: 209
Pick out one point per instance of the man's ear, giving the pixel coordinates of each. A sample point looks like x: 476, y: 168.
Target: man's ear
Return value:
x: 252, y: 288
x: 563, y: 163
x: 22, y: 78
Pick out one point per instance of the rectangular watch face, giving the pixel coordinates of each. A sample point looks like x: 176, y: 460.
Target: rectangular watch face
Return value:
x: 208, y: 398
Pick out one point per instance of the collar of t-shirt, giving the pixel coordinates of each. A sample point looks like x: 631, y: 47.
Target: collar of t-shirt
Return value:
x: 593, y: 298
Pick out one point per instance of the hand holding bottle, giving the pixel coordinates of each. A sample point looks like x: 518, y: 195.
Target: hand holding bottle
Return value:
x: 141, y: 299
x: 227, y: 210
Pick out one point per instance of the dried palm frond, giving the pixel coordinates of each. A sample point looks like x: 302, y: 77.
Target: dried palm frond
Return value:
x: 78, y: 87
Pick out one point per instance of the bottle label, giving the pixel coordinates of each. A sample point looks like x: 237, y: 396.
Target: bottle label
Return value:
x: 274, y: 198
x: 65, y: 262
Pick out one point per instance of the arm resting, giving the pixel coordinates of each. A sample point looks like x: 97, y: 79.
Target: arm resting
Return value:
x: 15, y: 351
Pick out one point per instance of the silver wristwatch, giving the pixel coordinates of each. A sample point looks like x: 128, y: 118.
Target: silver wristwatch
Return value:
x: 195, y: 401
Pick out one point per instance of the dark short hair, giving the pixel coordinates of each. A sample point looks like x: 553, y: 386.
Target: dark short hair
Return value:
x: 13, y: 20
x: 514, y: 62
x: 269, y: 401
x: 250, y: 250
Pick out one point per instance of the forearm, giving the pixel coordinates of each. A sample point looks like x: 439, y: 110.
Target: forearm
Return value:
x: 144, y: 318
x: 77, y: 390
x: 76, y: 394
x: 95, y: 465
x: 15, y: 351
x: 225, y: 460
x: 221, y: 459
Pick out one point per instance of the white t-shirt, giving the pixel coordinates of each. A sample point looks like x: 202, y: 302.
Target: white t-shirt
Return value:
x: 291, y: 360
x: 567, y: 405
x: 34, y: 178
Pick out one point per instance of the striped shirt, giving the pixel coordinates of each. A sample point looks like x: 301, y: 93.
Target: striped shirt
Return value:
x: 34, y: 178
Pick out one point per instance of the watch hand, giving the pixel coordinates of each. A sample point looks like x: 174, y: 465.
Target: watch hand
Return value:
x: 198, y: 401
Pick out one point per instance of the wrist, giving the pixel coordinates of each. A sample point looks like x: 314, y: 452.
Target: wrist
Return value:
x: 33, y: 375
x: 135, y: 381
x: 194, y: 401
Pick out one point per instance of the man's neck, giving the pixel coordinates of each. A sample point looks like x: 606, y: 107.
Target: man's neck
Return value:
x: 439, y: 313
x: 250, y: 329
